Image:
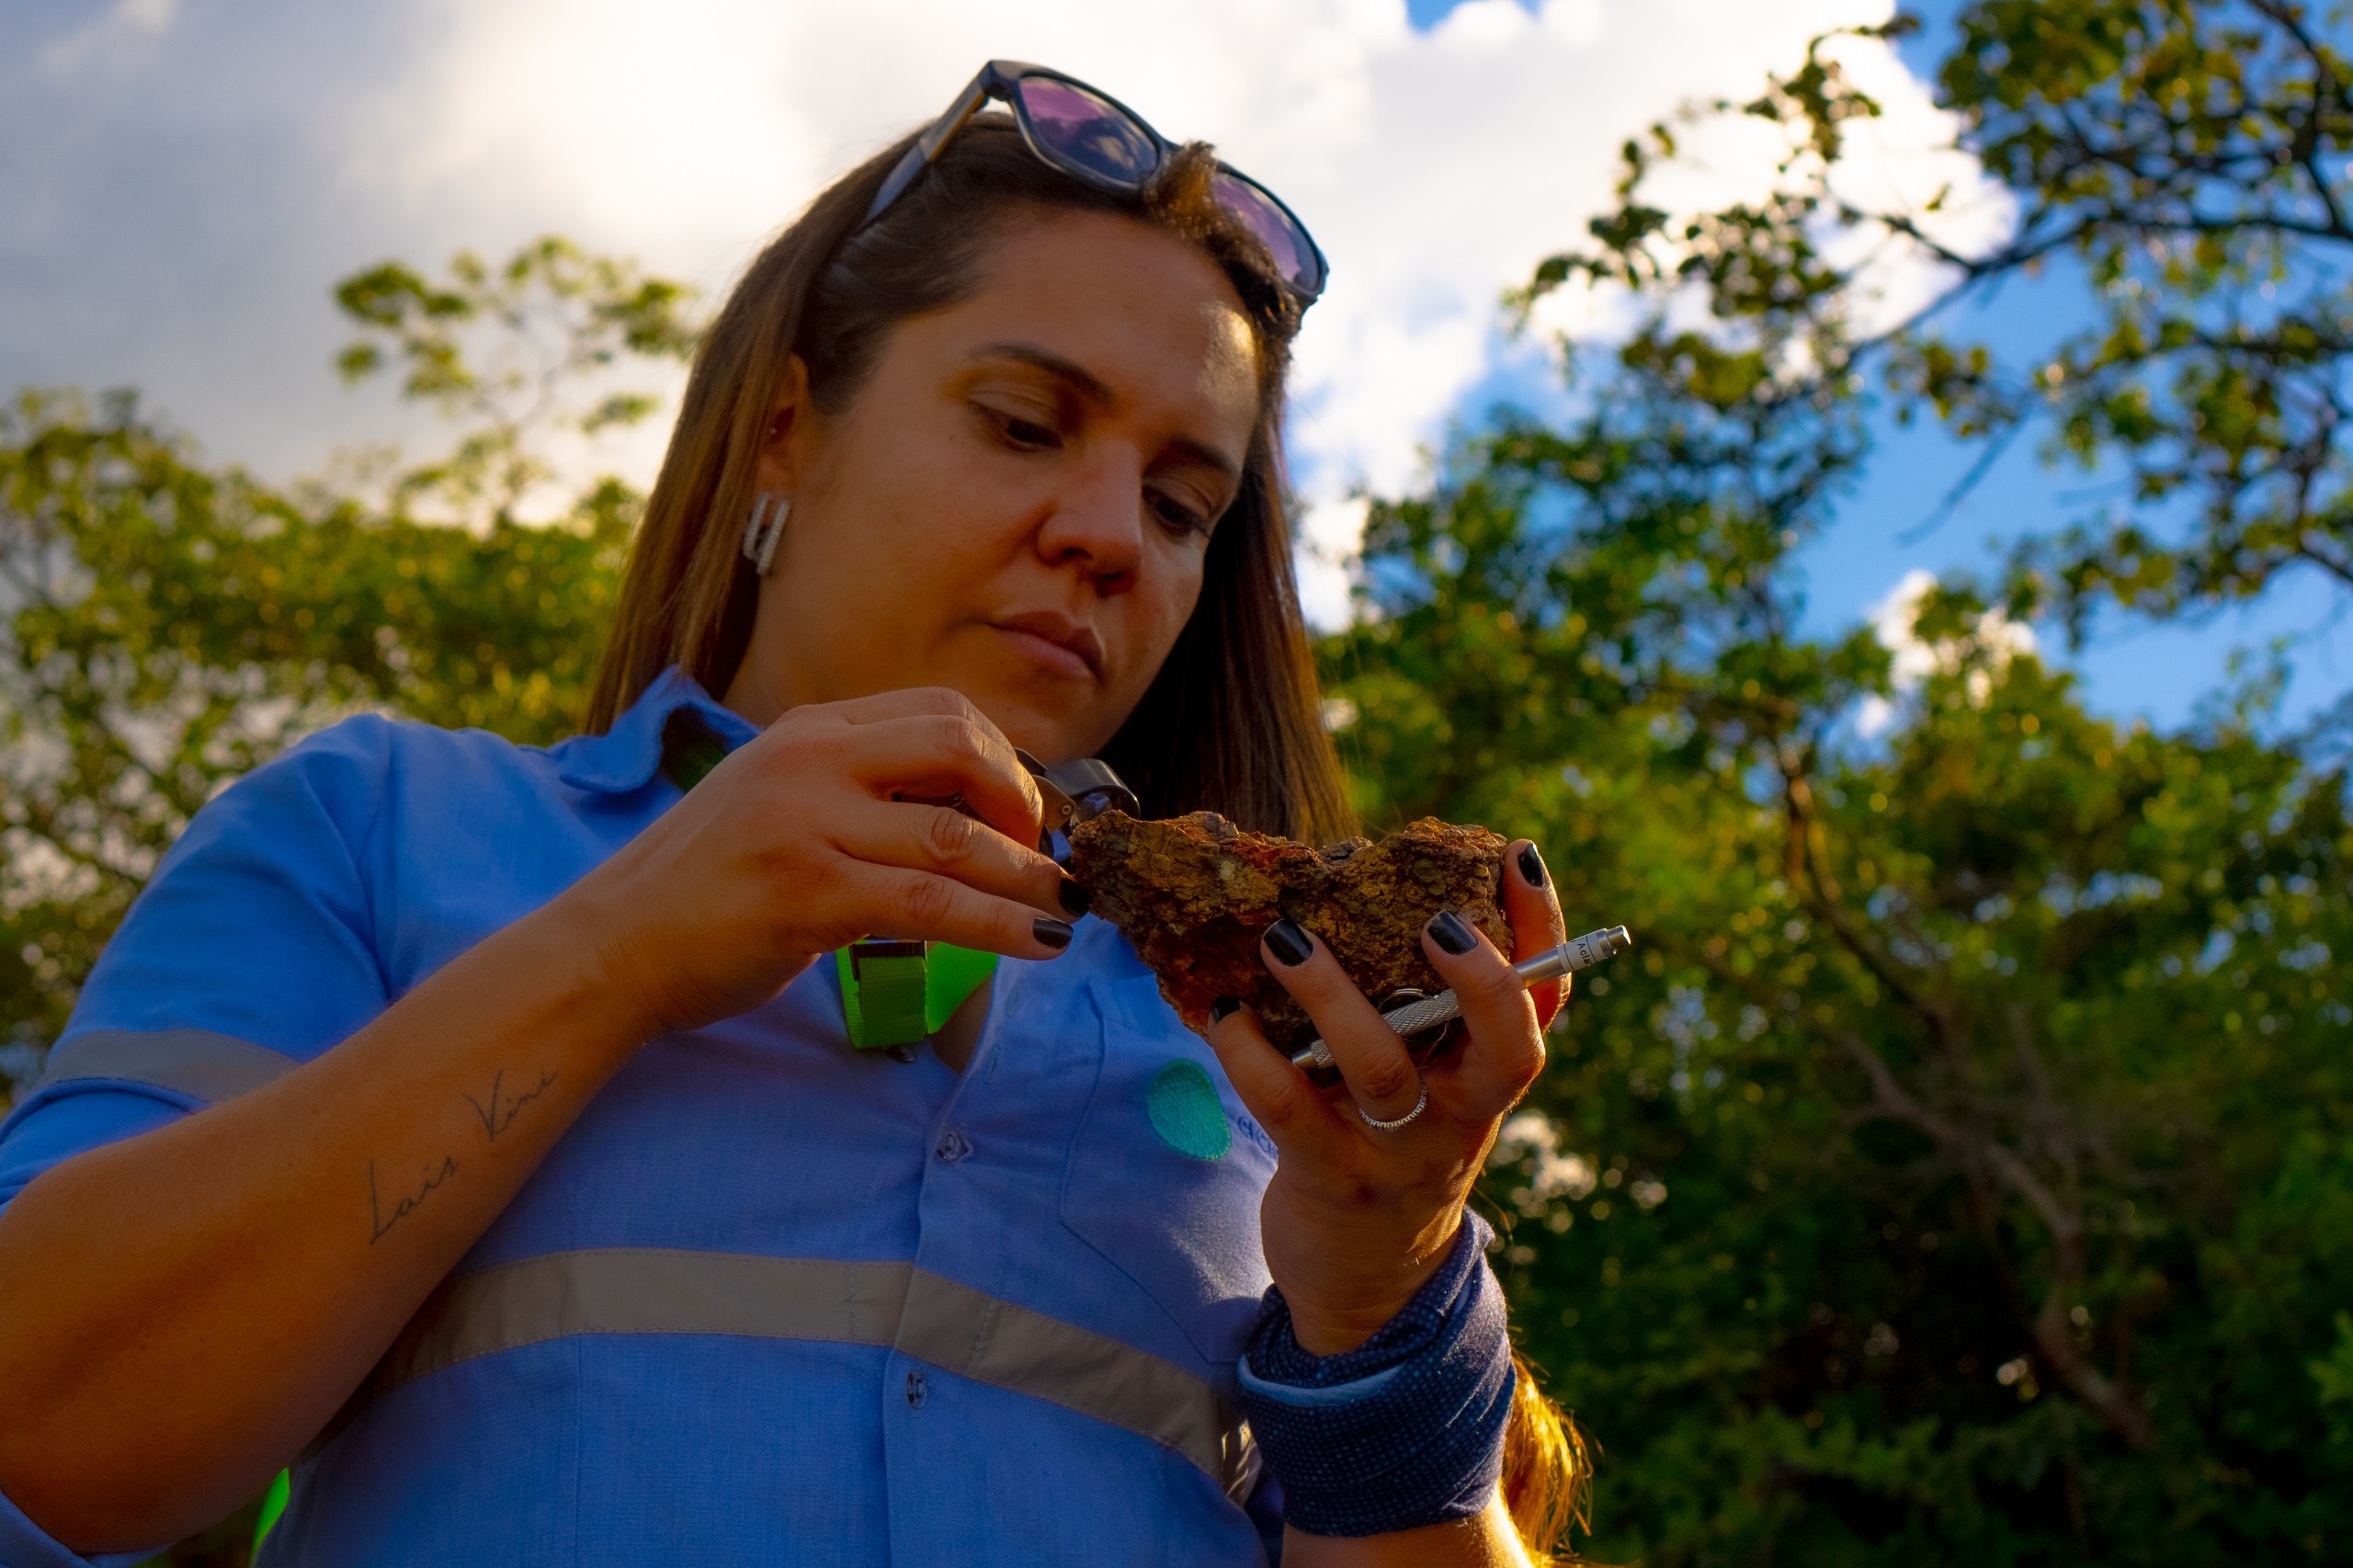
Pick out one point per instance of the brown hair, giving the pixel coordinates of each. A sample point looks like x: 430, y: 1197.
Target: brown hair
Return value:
x: 1233, y: 721
x: 1547, y: 1471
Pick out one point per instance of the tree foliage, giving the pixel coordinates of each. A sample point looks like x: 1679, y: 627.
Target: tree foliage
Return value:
x: 519, y: 357
x: 2188, y: 160
x: 171, y: 625
x: 1960, y: 1173
x: 1952, y: 1173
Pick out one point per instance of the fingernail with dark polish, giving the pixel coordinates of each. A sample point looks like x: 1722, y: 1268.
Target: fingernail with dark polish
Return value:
x: 1290, y: 944
x: 1449, y: 931
x: 1223, y: 1008
x: 1053, y: 933
x: 1076, y: 898
x: 1531, y: 866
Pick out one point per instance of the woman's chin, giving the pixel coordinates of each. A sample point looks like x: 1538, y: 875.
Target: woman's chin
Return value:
x: 1045, y: 710
x: 1038, y: 717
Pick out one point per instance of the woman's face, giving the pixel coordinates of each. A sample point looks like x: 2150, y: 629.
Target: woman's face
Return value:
x: 1017, y: 502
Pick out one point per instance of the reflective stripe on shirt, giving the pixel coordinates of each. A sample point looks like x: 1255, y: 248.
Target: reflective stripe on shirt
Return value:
x: 195, y: 1062
x: 658, y: 1290
x: 952, y: 1326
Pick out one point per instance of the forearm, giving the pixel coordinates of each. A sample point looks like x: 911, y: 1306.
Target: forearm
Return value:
x: 185, y: 1309
x: 1484, y: 1540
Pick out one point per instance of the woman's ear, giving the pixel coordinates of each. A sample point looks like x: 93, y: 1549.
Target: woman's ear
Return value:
x: 784, y: 438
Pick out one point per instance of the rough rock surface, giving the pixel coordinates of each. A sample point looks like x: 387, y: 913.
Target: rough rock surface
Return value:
x: 1194, y: 894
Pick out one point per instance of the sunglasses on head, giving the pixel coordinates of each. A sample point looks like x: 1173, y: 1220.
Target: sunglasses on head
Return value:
x: 1096, y: 139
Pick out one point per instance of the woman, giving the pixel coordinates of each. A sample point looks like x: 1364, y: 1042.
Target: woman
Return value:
x: 539, y: 1201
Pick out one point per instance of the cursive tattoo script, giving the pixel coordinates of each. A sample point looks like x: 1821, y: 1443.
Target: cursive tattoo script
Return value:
x: 498, y: 1115
x: 407, y: 1206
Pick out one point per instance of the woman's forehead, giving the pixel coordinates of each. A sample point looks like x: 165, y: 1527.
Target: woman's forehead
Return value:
x: 1141, y: 314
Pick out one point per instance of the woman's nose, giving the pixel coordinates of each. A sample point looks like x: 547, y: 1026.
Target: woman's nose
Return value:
x: 1098, y: 524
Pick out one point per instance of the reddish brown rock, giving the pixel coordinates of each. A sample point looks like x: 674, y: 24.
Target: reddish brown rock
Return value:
x: 1194, y: 894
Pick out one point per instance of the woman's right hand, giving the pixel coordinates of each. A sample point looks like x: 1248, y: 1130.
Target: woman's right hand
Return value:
x: 795, y: 845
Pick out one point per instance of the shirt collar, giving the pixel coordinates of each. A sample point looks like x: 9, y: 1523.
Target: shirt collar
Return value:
x: 626, y: 756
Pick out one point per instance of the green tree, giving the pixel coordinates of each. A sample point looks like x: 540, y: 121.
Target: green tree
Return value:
x: 525, y: 358
x: 1960, y: 1173
x: 2187, y: 160
x: 171, y: 625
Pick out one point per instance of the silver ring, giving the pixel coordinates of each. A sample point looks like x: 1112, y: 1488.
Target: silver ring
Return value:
x: 1377, y: 1125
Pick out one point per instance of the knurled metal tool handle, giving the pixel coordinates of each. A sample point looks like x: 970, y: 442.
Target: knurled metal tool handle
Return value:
x: 1576, y: 953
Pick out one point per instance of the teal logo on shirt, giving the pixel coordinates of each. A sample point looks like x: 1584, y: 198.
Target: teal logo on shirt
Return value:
x: 1186, y: 1112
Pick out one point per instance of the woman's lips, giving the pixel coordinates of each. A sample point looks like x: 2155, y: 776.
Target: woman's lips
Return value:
x: 1051, y: 653
x: 1054, y: 639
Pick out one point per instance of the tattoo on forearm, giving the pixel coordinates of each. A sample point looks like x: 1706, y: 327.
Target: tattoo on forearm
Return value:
x: 402, y: 1209
x: 498, y: 1114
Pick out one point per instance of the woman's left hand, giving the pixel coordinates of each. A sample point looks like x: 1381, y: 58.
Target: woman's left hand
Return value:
x: 1355, y: 1220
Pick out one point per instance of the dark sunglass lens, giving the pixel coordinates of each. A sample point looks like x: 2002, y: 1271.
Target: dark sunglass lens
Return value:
x: 1286, y: 243
x: 1076, y: 128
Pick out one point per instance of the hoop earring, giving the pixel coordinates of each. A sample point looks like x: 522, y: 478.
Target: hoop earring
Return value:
x: 766, y: 528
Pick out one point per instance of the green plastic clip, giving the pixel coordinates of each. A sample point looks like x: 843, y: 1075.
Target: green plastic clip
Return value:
x: 894, y: 994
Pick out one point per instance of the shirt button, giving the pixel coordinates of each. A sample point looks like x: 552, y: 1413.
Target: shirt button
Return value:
x: 953, y: 1147
x: 916, y: 1391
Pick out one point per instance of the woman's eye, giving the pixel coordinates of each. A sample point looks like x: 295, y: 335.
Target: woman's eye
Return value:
x: 1178, y: 516
x: 1028, y: 434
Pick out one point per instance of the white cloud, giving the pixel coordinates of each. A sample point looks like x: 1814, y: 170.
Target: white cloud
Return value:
x: 1903, y: 160
x: 1895, y: 621
x: 1531, y: 1140
x: 122, y: 37
x: 1435, y: 168
x: 1900, y: 161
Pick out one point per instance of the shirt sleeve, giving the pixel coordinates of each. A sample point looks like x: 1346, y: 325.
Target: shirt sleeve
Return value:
x: 252, y: 950
x: 23, y: 1544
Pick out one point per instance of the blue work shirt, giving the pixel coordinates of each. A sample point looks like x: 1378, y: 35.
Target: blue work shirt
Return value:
x: 771, y: 1299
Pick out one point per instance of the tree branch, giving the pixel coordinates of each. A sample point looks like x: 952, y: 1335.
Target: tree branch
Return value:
x: 1817, y: 884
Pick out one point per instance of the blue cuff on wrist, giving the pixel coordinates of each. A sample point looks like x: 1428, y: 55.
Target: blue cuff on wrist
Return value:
x: 1405, y: 1430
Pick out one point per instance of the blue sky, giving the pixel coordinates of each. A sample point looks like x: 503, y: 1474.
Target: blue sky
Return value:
x: 1428, y: 14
